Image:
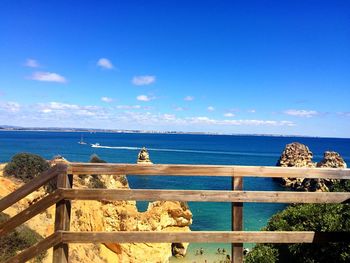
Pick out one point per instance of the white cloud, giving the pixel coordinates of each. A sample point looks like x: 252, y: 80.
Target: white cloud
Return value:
x: 128, y: 107
x: 302, y: 113
x: 48, y: 77
x: 59, y: 109
x: 10, y: 106
x: 189, y: 98
x: 105, y: 63
x: 229, y: 114
x: 210, y: 108
x: 107, y: 99
x: 31, y: 63
x: 252, y: 111
x: 143, y: 80
x: 143, y: 98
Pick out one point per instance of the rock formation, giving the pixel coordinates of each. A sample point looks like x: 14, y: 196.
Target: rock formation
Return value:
x: 298, y: 155
x: 332, y: 160
x: 109, y: 216
x: 143, y: 157
x: 295, y: 155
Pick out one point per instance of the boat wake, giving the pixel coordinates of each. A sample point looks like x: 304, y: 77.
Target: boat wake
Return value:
x: 184, y: 151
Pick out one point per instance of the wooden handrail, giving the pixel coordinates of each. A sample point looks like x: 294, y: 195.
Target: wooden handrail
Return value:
x: 205, y: 237
x: 30, y: 212
x: 32, y: 186
x: 64, y: 194
x: 207, y: 170
x: 206, y: 196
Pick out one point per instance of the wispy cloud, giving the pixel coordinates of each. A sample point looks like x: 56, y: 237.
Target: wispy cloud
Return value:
x: 69, y: 110
x: 144, y: 98
x: 344, y: 113
x: 302, y: 113
x: 189, y: 98
x: 128, y: 107
x: 107, y: 99
x: 229, y: 114
x: 31, y: 63
x: 252, y: 111
x: 180, y: 108
x: 143, y: 80
x: 48, y: 77
x: 10, y: 106
x: 105, y: 63
x: 210, y: 108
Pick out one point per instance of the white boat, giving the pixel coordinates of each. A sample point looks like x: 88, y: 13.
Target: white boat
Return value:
x: 95, y: 145
x: 81, y: 140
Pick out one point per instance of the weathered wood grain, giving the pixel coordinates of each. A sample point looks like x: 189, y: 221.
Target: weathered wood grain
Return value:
x: 31, y: 186
x: 237, y: 221
x: 206, y: 196
x: 207, y: 170
x: 62, y: 218
x: 205, y: 237
x: 30, y: 212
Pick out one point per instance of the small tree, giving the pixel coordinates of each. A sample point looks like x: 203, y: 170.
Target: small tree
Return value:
x: 26, y: 166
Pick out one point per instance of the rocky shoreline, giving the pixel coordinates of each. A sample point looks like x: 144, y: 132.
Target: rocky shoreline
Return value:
x: 299, y: 155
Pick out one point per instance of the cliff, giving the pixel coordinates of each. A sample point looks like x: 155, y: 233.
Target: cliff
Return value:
x: 299, y: 155
x: 109, y: 216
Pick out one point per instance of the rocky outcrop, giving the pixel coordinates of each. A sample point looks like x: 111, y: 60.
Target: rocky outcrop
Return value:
x: 298, y: 155
x: 143, y: 157
x: 295, y: 155
x: 332, y: 160
x: 109, y: 216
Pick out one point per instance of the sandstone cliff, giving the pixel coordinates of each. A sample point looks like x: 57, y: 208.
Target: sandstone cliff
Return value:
x: 109, y: 216
x: 298, y: 155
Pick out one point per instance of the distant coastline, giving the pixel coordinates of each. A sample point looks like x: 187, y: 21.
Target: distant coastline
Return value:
x: 94, y: 130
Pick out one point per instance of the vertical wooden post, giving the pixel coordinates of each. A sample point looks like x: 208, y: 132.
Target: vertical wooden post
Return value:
x: 237, y: 221
x: 62, y: 218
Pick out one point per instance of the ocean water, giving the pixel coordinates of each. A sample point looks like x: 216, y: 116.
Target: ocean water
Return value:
x: 179, y: 149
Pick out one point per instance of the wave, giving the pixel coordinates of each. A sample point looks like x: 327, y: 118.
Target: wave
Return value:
x: 186, y: 151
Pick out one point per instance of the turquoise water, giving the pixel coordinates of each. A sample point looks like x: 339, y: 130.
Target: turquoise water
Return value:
x: 179, y: 149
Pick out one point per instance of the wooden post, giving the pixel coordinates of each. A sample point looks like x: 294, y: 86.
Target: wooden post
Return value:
x: 237, y: 221
x: 62, y: 218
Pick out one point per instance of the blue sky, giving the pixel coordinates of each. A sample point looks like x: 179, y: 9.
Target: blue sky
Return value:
x: 280, y: 67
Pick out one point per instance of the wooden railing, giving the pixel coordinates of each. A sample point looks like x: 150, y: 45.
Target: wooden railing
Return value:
x: 62, y: 197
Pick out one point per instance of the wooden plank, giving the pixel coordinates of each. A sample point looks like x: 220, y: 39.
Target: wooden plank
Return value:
x: 62, y: 218
x: 206, y: 196
x: 205, y: 237
x: 30, y: 187
x: 30, y: 212
x: 36, y: 249
x: 237, y: 221
x: 207, y: 170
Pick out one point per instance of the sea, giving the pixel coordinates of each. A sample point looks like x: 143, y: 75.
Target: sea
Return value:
x: 180, y: 149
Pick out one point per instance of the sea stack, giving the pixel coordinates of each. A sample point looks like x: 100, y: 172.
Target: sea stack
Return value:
x: 298, y: 155
x: 143, y: 157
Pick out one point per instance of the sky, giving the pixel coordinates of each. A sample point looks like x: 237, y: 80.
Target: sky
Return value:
x: 253, y: 67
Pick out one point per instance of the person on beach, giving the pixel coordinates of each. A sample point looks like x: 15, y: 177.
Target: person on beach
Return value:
x: 201, y: 251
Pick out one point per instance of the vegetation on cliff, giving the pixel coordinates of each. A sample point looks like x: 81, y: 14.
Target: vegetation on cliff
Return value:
x: 21, y: 238
x: 26, y: 166
x: 308, y: 217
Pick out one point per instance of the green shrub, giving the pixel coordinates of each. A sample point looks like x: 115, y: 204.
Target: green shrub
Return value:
x: 26, y: 166
x: 309, y: 217
x: 19, y: 239
x: 262, y: 254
